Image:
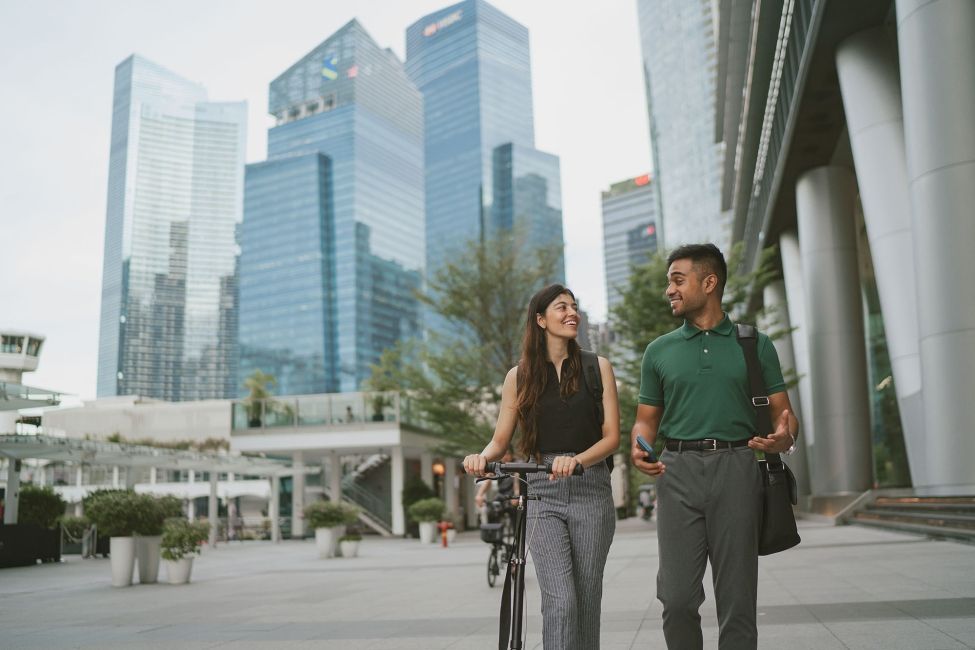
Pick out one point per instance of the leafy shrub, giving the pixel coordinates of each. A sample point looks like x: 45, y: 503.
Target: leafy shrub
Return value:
x: 350, y: 537
x: 328, y: 514
x: 74, y: 527
x: 117, y: 513
x: 416, y: 490
x: 181, y: 537
x: 431, y: 509
x: 150, y: 515
x: 40, y: 505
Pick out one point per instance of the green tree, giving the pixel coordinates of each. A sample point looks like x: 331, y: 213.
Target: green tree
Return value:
x: 258, y: 385
x: 454, y: 380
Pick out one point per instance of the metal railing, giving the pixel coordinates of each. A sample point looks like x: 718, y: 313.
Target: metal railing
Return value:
x: 325, y: 410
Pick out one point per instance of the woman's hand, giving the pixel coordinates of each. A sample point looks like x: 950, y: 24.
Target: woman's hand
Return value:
x: 562, y: 466
x: 475, y: 464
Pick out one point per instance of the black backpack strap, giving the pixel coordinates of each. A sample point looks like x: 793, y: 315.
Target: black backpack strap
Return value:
x: 593, y: 377
x: 594, y: 380
x: 748, y: 340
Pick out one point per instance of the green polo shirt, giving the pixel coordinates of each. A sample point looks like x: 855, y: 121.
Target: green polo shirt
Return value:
x: 700, y: 379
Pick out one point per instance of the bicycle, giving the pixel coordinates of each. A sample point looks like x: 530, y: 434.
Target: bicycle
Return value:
x: 512, y: 605
x: 499, y: 532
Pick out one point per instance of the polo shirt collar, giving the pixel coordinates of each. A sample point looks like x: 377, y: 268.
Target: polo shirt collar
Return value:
x: 724, y: 328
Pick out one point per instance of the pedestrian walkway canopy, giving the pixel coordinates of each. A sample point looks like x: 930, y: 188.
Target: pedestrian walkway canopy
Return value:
x: 95, y: 452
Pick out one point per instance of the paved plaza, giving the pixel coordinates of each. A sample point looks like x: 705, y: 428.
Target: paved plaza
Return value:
x: 844, y: 587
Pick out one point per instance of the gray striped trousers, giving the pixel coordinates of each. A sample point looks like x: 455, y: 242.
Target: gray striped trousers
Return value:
x: 571, y: 527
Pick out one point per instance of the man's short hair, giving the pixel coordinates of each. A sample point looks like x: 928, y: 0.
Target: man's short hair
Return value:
x: 706, y: 258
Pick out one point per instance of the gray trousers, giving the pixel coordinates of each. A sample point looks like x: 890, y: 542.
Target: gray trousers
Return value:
x: 708, y: 508
x: 570, y: 529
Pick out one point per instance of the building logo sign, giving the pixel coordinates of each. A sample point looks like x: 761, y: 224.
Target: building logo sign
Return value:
x: 443, y: 23
x: 330, y: 67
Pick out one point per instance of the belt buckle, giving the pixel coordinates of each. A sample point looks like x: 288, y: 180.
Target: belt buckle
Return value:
x: 709, y: 441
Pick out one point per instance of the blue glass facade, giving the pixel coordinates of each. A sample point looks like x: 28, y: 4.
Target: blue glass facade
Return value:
x: 679, y: 57
x: 527, y: 197
x: 472, y: 64
x: 169, y: 282
x: 350, y: 101
x: 629, y: 231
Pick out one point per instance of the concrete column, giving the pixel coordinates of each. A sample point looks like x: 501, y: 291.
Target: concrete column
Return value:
x: 825, y: 203
x: 212, y: 509
x: 152, y: 475
x: 298, y: 496
x: 12, y: 499
x: 191, y: 507
x: 274, y: 510
x: 775, y: 298
x: 397, y: 468
x: 115, y: 478
x: 870, y: 84
x: 130, y: 475
x: 335, y: 476
x: 426, y: 467
x: 937, y: 49
x: 79, y: 508
x: 796, y: 302
x: 450, y: 487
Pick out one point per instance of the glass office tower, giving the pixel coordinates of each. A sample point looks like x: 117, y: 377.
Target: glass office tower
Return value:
x: 332, y: 240
x: 629, y: 231
x: 679, y: 58
x: 169, y: 283
x: 472, y: 64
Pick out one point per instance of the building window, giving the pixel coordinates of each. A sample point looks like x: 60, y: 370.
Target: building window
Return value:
x: 12, y: 344
x: 33, y: 347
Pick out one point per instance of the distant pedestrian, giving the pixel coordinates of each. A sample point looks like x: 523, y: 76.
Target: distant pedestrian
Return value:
x: 572, y: 525
x: 694, y: 392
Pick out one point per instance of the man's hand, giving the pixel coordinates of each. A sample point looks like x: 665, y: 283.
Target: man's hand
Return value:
x: 639, y: 458
x: 779, y: 441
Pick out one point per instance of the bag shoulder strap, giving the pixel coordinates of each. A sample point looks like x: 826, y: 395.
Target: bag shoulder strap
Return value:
x: 748, y: 340
x: 594, y: 380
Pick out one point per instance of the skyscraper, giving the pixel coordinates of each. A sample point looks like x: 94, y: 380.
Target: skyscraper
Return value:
x: 483, y: 173
x: 332, y: 245
x: 169, y: 284
x: 678, y: 38
x: 629, y: 231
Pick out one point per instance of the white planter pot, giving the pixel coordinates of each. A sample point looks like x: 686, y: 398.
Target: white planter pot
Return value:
x: 327, y: 540
x: 147, y: 555
x: 349, y: 548
x: 121, y: 550
x: 428, y: 532
x: 178, y: 571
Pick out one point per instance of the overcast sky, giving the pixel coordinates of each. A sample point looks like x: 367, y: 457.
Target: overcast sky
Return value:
x: 57, y: 60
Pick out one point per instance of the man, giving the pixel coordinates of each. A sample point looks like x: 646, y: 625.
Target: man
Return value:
x: 694, y: 392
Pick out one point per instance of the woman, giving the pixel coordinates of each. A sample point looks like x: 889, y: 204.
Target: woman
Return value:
x: 571, y: 526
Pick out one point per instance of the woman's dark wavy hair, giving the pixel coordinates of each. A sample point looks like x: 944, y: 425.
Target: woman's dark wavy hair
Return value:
x: 532, y: 372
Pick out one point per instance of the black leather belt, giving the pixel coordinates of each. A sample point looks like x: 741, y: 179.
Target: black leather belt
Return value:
x: 707, y: 444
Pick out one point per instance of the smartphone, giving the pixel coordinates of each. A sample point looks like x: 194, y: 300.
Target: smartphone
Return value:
x: 647, y: 447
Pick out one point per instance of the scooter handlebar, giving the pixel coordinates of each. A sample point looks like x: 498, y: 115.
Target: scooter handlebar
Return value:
x: 510, y: 468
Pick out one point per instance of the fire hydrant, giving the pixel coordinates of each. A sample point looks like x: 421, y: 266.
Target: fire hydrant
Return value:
x: 443, y: 526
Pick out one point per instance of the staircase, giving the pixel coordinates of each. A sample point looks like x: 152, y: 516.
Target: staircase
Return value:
x: 375, y: 508
x: 948, y: 517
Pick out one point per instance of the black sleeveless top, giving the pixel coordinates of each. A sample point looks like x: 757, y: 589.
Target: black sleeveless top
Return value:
x: 566, y: 425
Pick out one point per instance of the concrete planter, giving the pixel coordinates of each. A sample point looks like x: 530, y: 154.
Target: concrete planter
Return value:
x: 122, y: 554
x: 428, y: 532
x: 178, y: 571
x: 349, y: 548
x: 147, y: 555
x: 327, y: 540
